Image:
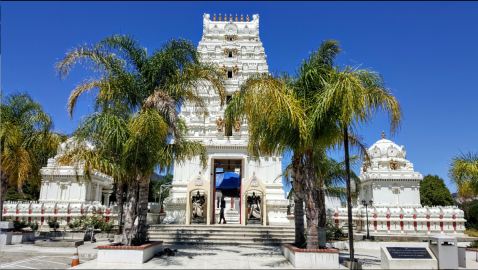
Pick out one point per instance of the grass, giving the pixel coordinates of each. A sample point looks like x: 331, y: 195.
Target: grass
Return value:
x: 472, y: 232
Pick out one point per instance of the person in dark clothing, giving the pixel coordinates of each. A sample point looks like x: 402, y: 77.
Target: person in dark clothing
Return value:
x: 223, y: 205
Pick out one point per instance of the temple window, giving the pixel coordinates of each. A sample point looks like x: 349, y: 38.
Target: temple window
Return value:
x: 230, y: 54
x: 229, y: 74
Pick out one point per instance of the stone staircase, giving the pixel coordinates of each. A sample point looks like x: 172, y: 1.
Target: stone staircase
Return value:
x: 221, y: 234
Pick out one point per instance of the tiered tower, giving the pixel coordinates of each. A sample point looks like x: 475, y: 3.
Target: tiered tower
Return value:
x: 233, y: 44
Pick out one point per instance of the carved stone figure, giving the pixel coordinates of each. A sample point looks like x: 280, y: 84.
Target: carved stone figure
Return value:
x: 234, y: 51
x: 220, y: 124
x: 364, y: 167
x: 198, y: 206
x: 237, y: 125
x: 234, y: 37
x: 226, y: 51
x: 224, y: 69
x: 393, y: 164
x: 236, y: 70
x: 254, y: 210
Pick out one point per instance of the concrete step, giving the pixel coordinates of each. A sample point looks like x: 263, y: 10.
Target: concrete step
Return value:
x: 222, y: 234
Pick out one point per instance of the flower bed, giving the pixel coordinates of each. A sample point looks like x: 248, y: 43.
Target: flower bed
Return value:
x: 117, y: 253
x: 311, y: 258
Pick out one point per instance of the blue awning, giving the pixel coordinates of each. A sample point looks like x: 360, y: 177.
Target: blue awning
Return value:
x: 227, y: 180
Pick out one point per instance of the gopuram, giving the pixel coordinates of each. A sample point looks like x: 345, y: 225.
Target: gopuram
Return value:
x: 252, y: 190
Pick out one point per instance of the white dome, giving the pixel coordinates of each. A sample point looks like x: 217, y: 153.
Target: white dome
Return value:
x: 386, y: 149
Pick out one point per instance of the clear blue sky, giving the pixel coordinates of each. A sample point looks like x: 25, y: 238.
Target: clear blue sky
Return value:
x: 426, y: 51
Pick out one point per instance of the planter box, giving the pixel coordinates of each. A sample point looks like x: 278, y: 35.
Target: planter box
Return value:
x: 472, y: 254
x: 311, y: 258
x: 23, y: 237
x: 115, y: 253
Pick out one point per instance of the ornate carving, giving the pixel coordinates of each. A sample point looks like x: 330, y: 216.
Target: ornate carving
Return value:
x: 254, y: 181
x: 364, y: 167
x: 234, y: 51
x: 237, y: 125
x: 220, y: 124
x: 198, y: 181
x: 224, y: 69
x: 393, y: 164
x: 234, y: 38
x: 226, y: 51
x: 236, y: 70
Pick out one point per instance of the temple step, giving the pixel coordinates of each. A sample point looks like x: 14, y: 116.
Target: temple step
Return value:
x: 222, y: 234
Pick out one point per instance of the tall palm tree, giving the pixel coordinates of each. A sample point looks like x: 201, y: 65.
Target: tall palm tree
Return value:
x: 278, y: 111
x: 150, y: 88
x: 27, y: 140
x: 355, y: 96
x: 463, y: 172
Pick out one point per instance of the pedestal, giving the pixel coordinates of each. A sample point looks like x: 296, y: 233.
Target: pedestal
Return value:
x: 7, y: 231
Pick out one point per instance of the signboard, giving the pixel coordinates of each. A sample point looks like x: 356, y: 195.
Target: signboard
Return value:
x: 408, y: 253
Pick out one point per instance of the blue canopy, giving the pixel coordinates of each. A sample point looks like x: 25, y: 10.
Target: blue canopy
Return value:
x: 227, y: 180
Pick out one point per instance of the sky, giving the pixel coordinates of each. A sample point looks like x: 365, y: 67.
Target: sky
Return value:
x: 425, y: 51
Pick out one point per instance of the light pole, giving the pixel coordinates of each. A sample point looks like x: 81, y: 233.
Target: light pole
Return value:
x: 364, y: 203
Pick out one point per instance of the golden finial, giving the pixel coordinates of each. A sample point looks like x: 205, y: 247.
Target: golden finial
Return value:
x: 236, y: 17
x: 230, y: 17
x: 242, y: 18
x: 383, y: 134
x: 220, y: 17
x: 214, y: 17
x: 225, y: 17
x: 247, y: 18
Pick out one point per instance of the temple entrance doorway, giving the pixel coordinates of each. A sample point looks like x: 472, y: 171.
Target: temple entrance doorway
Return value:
x: 227, y: 185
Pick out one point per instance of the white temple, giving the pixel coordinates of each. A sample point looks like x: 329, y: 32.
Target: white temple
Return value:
x: 394, y: 187
x: 234, y: 45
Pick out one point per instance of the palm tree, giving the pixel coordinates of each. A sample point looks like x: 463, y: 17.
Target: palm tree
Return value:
x: 27, y: 141
x: 150, y: 88
x: 355, y: 96
x: 463, y: 172
x: 278, y: 110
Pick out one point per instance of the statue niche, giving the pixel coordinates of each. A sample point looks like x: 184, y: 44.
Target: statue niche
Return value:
x: 254, y: 210
x: 198, y: 208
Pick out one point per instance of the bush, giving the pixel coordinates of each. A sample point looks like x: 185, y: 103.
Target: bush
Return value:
x: 18, y: 226
x: 53, y: 224
x: 473, y: 244
x: 98, y: 222
x: 33, y: 226
x: 107, y: 227
x: 333, y: 233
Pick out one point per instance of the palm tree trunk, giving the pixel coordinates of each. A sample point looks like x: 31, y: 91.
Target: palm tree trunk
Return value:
x: 4, y: 185
x: 321, y: 207
x: 130, y: 213
x: 310, y: 187
x: 298, y: 177
x: 349, y: 197
x: 143, y: 209
x: 119, y: 202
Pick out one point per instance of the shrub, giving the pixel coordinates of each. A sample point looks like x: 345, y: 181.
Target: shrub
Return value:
x: 33, y: 226
x: 53, y: 224
x: 98, y: 222
x: 473, y: 244
x: 18, y: 226
x: 333, y: 233
x: 107, y: 227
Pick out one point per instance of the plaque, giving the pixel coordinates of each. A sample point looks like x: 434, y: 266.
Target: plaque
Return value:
x: 408, y: 253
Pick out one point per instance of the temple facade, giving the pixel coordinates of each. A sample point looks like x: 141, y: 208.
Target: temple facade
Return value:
x: 233, y: 44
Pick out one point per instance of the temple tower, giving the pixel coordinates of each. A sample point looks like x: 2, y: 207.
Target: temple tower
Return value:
x: 233, y: 44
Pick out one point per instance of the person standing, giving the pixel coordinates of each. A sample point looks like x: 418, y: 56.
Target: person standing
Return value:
x: 223, y: 205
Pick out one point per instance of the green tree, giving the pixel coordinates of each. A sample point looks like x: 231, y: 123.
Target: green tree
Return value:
x: 463, y: 172
x: 150, y: 88
x: 352, y: 96
x: 27, y: 141
x: 433, y: 191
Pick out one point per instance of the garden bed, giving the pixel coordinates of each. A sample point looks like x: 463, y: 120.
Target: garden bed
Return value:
x: 117, y: 253
x: 311, y: 258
